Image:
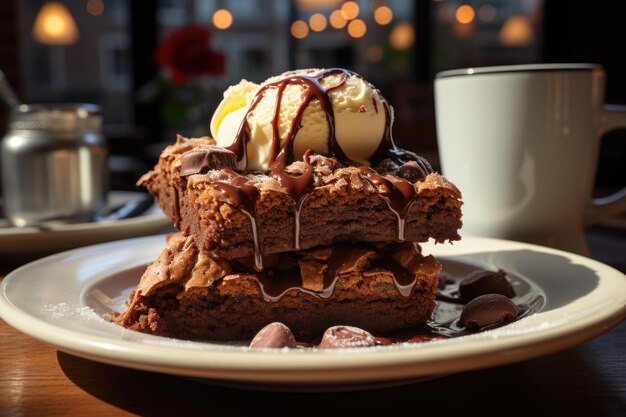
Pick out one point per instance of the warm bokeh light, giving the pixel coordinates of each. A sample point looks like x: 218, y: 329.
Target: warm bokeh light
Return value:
x: 465, y: 14
x: 95, y: 7
x: 402, y: 36
x: 487, y: 12
x: 374, y: 54
x: 357, y: 28
x: 222, y: 19
x: 350, y: 10
x: 317, y: 22
x: 337, y: 20
x: 383, y: 15
x: 55, y: 25
x: 299, y: 29
x: 517, y: 31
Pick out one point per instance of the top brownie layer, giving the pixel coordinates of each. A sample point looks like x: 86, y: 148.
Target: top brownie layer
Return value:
x: 236, y: 215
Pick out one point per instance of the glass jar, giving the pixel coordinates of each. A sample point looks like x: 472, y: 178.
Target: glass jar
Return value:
x: 54, y: 164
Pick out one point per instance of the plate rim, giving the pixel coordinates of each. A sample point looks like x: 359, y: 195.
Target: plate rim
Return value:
x: 251, y: 364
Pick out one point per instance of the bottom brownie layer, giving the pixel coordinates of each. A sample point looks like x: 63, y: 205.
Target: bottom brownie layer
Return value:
x: 186, y: 294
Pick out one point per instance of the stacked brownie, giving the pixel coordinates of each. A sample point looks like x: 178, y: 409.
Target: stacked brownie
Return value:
x: 311, y: 243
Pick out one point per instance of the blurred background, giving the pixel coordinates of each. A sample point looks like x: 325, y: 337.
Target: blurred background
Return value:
x: 158, y: 67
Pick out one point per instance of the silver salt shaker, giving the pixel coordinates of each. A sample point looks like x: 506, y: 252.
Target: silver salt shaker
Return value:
x: 54, y: 164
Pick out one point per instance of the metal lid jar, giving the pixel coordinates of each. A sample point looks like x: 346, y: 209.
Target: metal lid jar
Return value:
x: 54, y: 164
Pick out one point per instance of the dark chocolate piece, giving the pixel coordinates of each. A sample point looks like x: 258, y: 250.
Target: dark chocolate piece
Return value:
x: 200, y: 161
x: 386, y: 167
x: 488, y: 310
x: 274, y: 335
x: 346, y: 337
x: 412, y: 172
x: 485, y: 282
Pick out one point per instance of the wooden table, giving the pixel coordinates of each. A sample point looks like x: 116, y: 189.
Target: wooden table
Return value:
x: 588, y: 380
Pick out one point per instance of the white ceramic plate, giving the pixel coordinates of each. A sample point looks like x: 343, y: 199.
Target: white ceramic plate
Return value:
x: 34, y: 242
x: 61, y: 300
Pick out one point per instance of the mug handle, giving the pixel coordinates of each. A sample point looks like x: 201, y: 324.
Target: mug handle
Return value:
x: 613, y: 117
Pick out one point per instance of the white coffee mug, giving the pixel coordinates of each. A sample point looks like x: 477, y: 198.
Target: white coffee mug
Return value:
x: 521, y: 143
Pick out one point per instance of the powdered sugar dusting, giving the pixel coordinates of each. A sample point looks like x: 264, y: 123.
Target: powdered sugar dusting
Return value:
x: 63, y: 311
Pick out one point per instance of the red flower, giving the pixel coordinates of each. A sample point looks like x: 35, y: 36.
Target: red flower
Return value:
x: 187, y: 54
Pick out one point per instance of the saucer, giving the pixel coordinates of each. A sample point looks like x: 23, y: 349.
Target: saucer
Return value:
x: 33, y: 242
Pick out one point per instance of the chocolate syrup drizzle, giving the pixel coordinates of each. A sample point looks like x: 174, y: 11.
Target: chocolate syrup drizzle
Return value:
x: 399, y: 194
x: 274, y: 283
x: 242, y: 194
x: 402, y: 279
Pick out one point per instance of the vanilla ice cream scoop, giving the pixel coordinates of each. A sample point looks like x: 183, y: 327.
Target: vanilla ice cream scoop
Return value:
x: 332, y: 112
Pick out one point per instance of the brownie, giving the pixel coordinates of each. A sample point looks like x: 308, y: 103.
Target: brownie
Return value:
x: 343, y: 206
x: 188, y: 294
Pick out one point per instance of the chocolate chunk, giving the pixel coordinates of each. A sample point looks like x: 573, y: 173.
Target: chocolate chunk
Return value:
x: 412, y: 172
x: 409, y: 256
x: 424, y: 164
x: 274, y: 335
x: 207, y: 158
x: 485, y: 282
x: 386, y: 167
x: 346, y: 337
x: 488, y: 310
x: 312, y: 274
